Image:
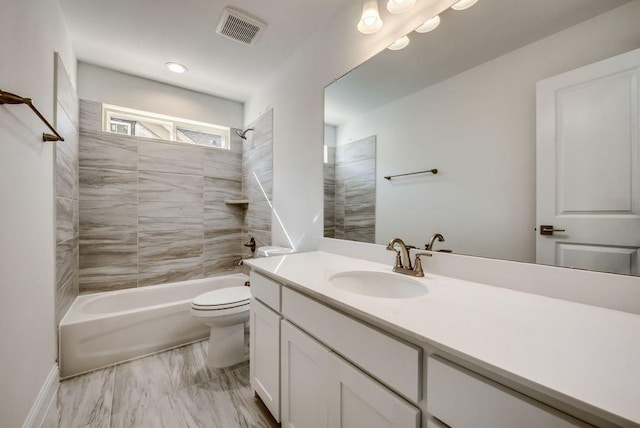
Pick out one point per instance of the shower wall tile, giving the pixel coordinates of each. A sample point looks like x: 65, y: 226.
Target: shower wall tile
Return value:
x: 90, y: 116
x: 100, y: 217
x: 66, y: 185
x: 66, y: 216
x: 217, y: 242
x: 218, y: 190
x: 108, y: 151
x: 259, y: 216
x: 222, y: 216
x: 157, y: 186
x: 65, y: 93
x: 355, y: 188
x: 222, y: 264
x: 163, y: 216
x: 66, y: 261
x: 235, y: 142
x: 108, y: 278
x: 65, y: 295
x: 108, y: 249
x: 108, y: 184
x: 225, y: 164
x: 169, y: 245
x: 166, y: 271
x: 170, y: 158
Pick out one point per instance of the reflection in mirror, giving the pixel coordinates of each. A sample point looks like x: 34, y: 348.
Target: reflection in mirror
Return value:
x: 503, y: 98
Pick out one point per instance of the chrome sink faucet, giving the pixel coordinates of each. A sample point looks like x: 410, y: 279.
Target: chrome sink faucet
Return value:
x: 403, y: 258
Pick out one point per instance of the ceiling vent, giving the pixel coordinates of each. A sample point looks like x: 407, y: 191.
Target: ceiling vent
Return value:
x: 239, y: 26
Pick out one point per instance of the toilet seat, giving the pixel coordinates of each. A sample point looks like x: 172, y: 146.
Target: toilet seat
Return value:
x: 224, y: 298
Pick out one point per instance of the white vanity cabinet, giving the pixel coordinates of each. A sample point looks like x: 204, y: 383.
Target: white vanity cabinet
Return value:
x: 264, y: 342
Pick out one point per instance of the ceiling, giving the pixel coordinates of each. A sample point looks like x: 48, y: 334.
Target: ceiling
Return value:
x: 140, y: 36
x: 463, y: 40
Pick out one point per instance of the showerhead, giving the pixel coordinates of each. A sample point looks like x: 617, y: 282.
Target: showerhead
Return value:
x: 244, y: 133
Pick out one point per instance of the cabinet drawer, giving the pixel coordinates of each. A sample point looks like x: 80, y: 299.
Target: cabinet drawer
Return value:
x: 395, y: 363
x: 461, y: 398
x: 266, y: 290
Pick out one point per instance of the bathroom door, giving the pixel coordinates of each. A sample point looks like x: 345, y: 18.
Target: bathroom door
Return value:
x: 588, y: 166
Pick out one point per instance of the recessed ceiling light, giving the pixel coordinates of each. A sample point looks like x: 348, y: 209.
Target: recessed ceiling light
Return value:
x: 176, y: 68
x: 429, y: 25
x: 401, y: 43
x: 464, y: 4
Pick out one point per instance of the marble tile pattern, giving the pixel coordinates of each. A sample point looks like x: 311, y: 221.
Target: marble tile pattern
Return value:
x: 67, y: 188
x: 330, y: 194
x: 150, y: 210
x: 169, y: 389
x: 257, y: 168
x: 355, y: 188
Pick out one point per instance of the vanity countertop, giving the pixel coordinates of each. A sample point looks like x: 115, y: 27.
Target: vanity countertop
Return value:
x: 583, y: 355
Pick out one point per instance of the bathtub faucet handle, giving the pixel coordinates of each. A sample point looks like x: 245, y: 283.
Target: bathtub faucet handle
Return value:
x: 251, y: 244
x: 247, y: 284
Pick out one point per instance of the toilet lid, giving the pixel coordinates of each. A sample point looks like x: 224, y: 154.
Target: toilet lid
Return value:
x: 223, y: 298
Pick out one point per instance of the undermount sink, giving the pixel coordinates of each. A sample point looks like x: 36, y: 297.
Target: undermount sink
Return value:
x: 378, y: 284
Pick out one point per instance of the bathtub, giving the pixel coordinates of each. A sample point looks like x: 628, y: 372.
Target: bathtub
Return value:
x: 112, y: 327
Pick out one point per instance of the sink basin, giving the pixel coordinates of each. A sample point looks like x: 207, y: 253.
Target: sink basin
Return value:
x: 378, y: 284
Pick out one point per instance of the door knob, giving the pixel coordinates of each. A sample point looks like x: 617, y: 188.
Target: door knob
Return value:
x: 546, y: 229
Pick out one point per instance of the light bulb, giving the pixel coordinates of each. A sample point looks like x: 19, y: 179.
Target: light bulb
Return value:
x: 401, y: 43
x: 176, y: 68
x: 400, y: 6
x: 429, y: 25
x: 370, y: 21
x: 464, y: 4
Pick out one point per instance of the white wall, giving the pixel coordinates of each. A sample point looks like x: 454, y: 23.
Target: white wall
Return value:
x: 112, y: 87
x: 30, y: 33
x: 296, y: 94
x: 478, y: 129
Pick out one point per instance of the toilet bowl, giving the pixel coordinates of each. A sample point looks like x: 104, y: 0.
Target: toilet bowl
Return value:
x: 226, y: 311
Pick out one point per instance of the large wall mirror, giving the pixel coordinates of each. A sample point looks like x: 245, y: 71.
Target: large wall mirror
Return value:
x: 529, y: 112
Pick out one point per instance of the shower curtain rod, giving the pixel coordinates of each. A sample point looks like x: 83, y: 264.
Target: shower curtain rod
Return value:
x: 432, y: 171
x: 9, y: 98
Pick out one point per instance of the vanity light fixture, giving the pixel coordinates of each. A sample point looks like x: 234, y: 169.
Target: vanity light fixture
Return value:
x: 464, y: 4
x: 401, y: 43
x: 400, y: 6
x: 370, y: 21
x: 429, y: 25
x: 176, y: 67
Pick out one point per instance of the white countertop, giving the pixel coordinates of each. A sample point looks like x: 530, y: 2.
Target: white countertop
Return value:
x: 584, y: 355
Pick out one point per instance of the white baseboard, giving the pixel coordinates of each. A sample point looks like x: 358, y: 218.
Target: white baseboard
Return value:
x: 44, y: 399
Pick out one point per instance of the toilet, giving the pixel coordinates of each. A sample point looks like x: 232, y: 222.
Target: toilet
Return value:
x: 226, y: 311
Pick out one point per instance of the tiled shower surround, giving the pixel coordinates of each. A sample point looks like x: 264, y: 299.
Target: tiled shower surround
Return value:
x: 66, y: 287
x: 153, y: 211
x: 354, y: 181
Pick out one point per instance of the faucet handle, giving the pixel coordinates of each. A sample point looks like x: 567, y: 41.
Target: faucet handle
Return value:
x: 418, y: 264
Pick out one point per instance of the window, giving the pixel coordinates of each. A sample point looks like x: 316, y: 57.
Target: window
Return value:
x: 126, y: 121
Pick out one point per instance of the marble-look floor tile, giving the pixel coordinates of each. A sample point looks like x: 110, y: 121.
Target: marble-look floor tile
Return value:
x: 163, y: 412
x: 86, y: 399
x: 187, y: 366
x: 140, y: 382
x: 170, y: 157
x: 108, y: 151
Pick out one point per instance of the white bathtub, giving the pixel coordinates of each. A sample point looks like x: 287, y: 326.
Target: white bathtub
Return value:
x: 115, y: 326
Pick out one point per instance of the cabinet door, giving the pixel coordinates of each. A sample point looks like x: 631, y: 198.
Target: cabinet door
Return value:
x: 305, y: 365
x: 356, y: 400
x: 265, y: 355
